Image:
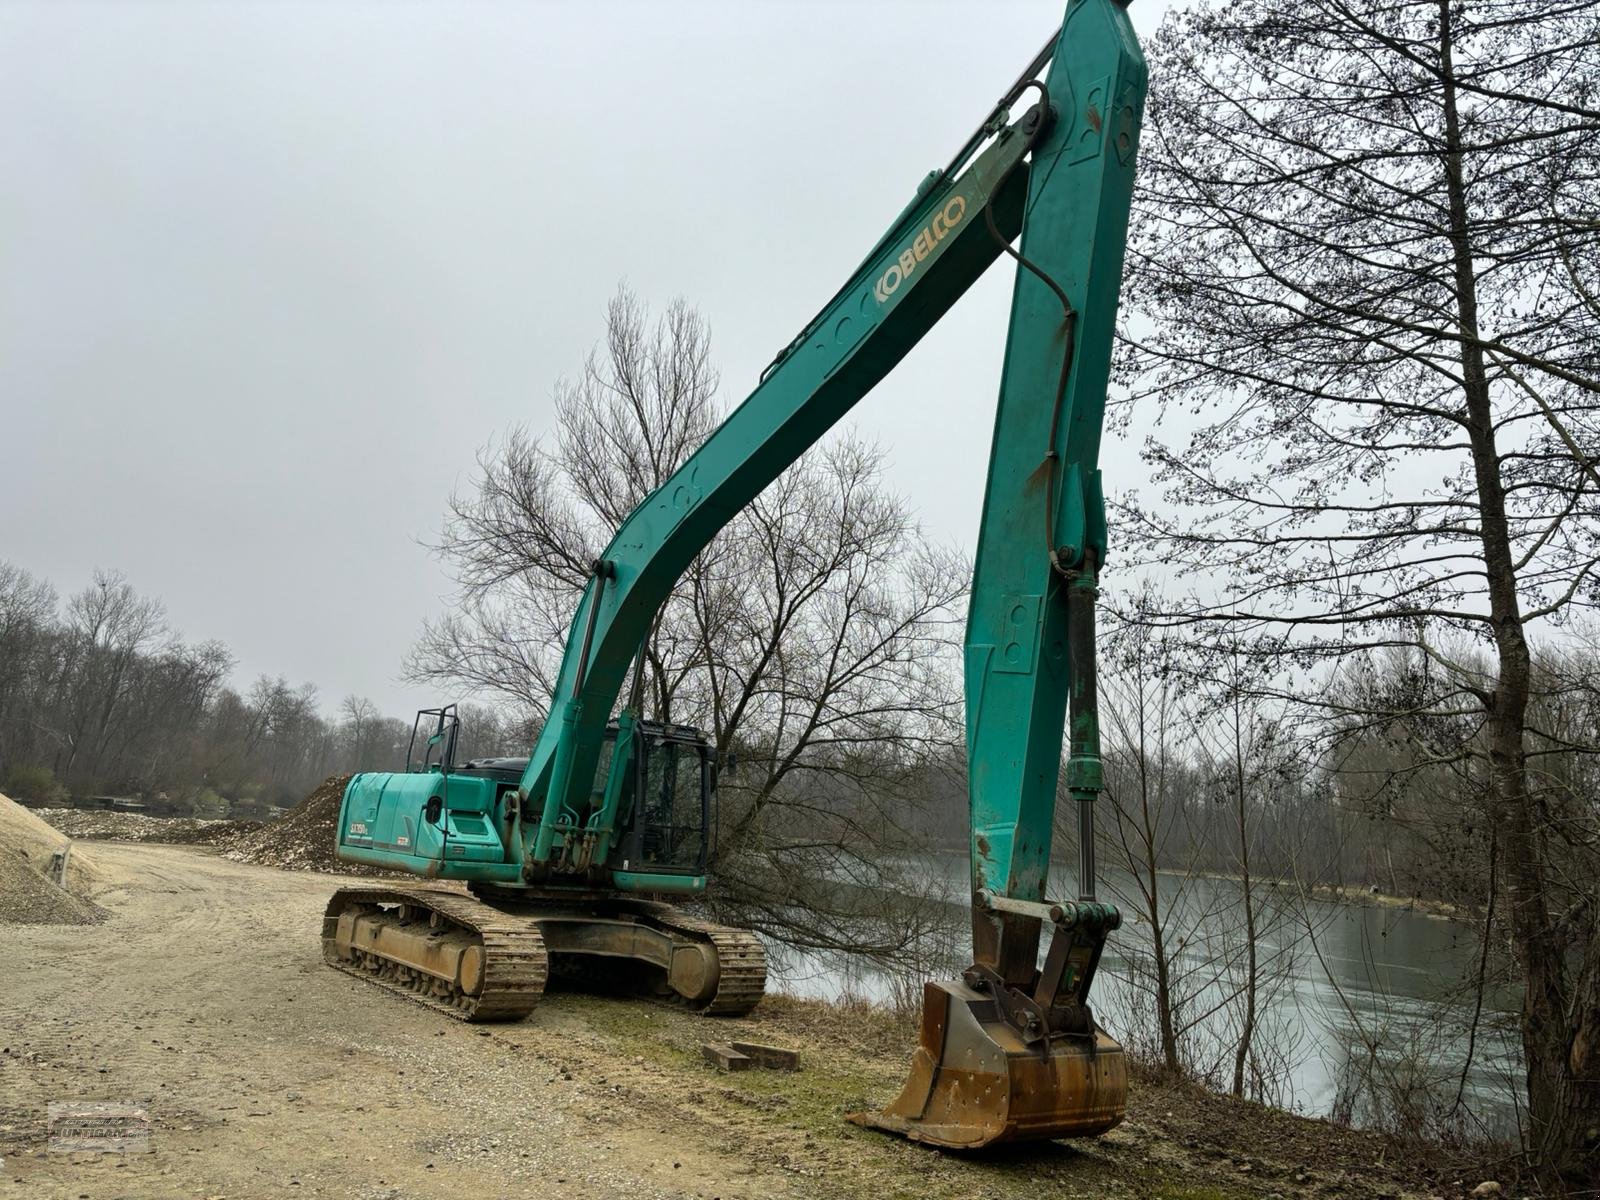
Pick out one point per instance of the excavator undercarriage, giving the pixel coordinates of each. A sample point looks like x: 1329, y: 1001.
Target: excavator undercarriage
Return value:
x: 489, y: 957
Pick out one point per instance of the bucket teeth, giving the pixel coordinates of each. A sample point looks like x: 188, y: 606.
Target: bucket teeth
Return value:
x: 974, y: 1082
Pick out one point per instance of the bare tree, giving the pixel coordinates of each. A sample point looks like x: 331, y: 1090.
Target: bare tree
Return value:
x: 27, y: 612
x: 1150, y: 784
x: 1363, y: 285
x: 1249, y: 762
x: 810, y: 639
x: 361, y: 722
x: 111, y: 627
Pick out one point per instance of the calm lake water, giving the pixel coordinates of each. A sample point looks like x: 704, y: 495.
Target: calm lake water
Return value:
x: 1347, y: 989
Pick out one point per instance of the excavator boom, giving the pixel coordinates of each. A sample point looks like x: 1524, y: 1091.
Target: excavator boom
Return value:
x: 929, y: 258
x: 1061, y: 175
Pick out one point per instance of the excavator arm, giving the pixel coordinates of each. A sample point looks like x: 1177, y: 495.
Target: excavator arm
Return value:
x: 1060, y: 174
x: 1012, y: 1050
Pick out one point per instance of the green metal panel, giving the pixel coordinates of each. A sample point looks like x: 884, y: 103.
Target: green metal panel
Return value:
x: 1018, y: 668
x: 381, y: 821
x: 668, y: 885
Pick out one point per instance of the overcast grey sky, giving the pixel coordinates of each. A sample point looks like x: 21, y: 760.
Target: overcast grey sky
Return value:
x: 271, y: 273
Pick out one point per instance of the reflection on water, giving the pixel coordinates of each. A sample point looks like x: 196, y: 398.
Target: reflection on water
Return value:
x: 1347, y: 990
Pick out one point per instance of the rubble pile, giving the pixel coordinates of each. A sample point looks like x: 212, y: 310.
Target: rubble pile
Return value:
x: 303, y: 839
x: 105, y: 826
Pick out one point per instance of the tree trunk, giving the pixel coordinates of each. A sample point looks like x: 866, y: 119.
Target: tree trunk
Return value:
x: 1158, y: 934
x: 1247, y: 1031
x: 1563, y: 1111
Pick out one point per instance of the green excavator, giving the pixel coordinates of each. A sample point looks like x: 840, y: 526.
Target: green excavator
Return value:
x: 571, y: 857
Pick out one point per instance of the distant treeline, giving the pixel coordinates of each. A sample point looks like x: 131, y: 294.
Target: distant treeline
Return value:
x: 1388, y: 794
x: 98, y: 696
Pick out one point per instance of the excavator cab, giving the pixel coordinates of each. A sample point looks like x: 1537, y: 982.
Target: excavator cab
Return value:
x: 655, y: 781
x: 671, y: 809
x: 653, y: 785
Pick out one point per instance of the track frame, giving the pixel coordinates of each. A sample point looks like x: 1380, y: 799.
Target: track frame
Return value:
x: 488, y: 956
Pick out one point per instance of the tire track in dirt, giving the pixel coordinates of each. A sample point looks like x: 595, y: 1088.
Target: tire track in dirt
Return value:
x: 205, y: 994
x: 270, y: 1074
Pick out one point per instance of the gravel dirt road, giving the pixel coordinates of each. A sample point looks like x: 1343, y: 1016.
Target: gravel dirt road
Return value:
x: 267, y: 1074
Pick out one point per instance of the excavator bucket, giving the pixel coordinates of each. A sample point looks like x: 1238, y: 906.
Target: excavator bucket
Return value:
x: 975, y: 1082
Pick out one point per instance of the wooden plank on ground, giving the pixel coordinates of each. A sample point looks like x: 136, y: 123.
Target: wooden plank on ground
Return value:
x: 725, y: 1058
x: 774, y: 1058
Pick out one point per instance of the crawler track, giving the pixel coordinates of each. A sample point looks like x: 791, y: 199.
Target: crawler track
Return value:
x: 515, y: 965
x: 741, y: 961
x: 516, y: 960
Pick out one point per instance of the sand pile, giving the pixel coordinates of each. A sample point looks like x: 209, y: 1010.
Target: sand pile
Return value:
x: 27, y: 895
x: 137, y: 827
x: 303, y: 839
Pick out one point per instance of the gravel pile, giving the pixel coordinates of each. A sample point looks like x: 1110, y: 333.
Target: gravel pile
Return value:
x: 27, y: 896
x: 303, y: 839
x: 136, y: 827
